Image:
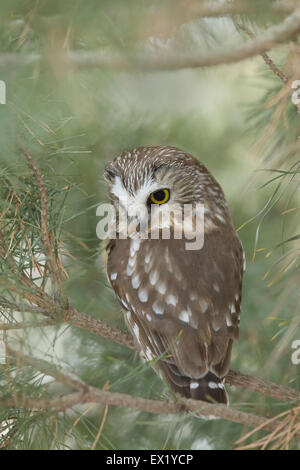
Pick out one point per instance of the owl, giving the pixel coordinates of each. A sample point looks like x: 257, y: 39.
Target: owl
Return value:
x: 182, y: 306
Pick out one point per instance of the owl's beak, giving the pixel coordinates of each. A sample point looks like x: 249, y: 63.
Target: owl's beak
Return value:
x: 134, y: 218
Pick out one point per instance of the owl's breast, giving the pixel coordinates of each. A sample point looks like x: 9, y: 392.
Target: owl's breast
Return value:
x: 163, y: 280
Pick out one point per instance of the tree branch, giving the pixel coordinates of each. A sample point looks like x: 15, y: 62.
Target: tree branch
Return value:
x: 93, y: 395
x: 211, y: 9
x: 145, y: 61
x: 41, y: 302
x: 99, y: 327
x: 263, y: 387
x: 89, y: 394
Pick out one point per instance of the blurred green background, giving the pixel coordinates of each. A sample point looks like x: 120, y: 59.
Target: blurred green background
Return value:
x: 74, y: 120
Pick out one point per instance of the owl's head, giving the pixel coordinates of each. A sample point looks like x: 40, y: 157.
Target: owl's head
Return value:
x: 159, y: 175
x: 165, y: 177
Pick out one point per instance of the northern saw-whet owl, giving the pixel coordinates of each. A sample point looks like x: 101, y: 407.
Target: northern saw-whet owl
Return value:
x: 181, y: 306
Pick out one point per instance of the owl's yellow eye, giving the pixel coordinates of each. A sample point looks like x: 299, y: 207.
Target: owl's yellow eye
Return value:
x: 160, y: 197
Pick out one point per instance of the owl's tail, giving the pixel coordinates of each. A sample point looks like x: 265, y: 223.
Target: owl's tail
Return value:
x: 209, y: 388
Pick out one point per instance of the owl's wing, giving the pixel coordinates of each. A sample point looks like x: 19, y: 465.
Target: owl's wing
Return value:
x: 182, y: 306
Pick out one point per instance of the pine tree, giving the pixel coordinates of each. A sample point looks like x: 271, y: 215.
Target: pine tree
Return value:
x: 84, y: 81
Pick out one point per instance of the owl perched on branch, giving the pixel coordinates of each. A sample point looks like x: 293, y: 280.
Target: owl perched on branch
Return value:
x: 181, y: 305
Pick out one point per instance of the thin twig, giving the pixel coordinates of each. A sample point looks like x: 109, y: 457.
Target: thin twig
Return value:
x: 106, y: 387
x: 281, y: 435
x: 88, y: 408
x: 48, y: 369
x: 55, y: 272
x: 29, y: 324
x: 269, y: 62
x: 246, y: 436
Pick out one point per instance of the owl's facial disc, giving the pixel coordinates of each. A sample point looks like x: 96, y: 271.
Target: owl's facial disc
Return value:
x: 139, y: 207
x: 150, y: 192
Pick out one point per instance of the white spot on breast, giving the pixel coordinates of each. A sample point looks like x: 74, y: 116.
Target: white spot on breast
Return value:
x: 184, y: 316
x: 149, y: 318
x: 193, y: 295
x: 134, y: 246
x: 130, y: 269
x: 148, y: 257
x: 232, y: 308
x: 216, y: 287
x: 143, y: 295
x: 148, y: 266
x: 168, y: 260
x: 132, y: 261
x: 153, y: 278
x: 136, y: 331
x: 172, y: 300
x: 113, y: 276
x: 128, y: 315
x: 216, y: 328
x: 177, y: 275
x: 149, y: 354
x: 203, y: 305
x: 228, y: 321
x: 194, y: 385
x: 158, y: 308
x: 162, y: 288
x: 135, y: 281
